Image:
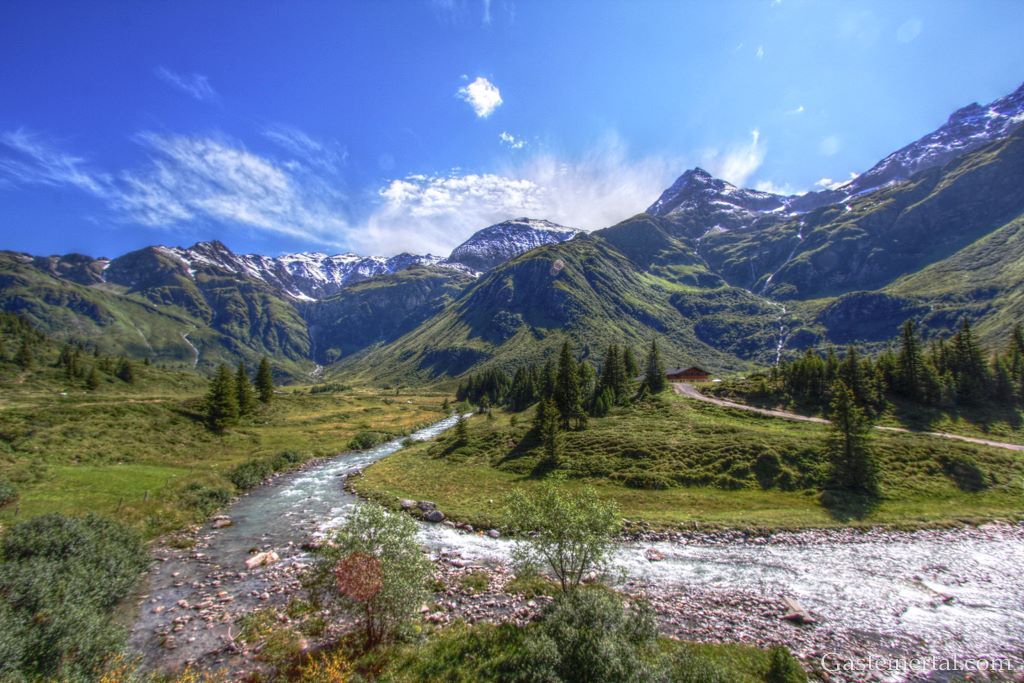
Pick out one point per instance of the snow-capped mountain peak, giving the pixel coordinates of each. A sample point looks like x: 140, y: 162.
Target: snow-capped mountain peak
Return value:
x: 498, y: 243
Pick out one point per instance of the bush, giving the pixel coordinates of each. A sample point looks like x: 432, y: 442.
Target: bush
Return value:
x: 61, y: 578
x: 574, y: 531
x: 205, y: 499
x: 8, y: 494
x: 589, y: 635
x: 965, y: 471
x: 783, y: 667
x: 250, y: 473
x: 286, y: 460
x: 767, y: 468
x: 366, y: 439
x: 373, y: 565
x: 651, y: 481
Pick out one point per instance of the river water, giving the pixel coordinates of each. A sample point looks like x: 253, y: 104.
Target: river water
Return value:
x: 938, y: 593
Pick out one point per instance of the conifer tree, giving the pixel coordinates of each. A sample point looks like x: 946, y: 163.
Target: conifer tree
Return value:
x: 243, y: 391
x: 265, y: 381
x: 545, y: 422
x: 629, y: 363
x: 222, y: 400
x: 125, y: 371
x: 852, y: 464
x: 24, y: 355
x: 654, y: 377
x: 92, y: 380
x: 567, y: 387
x: 461, y: 431
x: 548, y: 379
x: 909, y: 363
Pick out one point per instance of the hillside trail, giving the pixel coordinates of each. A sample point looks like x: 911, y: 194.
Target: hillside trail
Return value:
x: 690, y: 391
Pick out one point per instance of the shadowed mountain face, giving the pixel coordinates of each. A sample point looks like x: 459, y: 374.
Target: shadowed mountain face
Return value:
x: 724, y: 276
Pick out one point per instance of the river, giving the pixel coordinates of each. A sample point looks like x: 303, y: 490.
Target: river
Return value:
x: 937, y: 593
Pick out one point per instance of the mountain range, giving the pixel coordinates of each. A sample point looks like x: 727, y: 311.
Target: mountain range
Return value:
x: 724, y: 276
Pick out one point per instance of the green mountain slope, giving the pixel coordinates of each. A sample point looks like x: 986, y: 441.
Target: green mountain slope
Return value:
x: 626, y: 284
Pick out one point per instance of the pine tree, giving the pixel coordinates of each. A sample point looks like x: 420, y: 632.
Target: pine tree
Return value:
x: 909, y: 363
x: 968, y: 367
x: 852, y: 464
x: 92, y: 380
x: 265, y: 381
x: 614, y: 374
x: 125, y: 371
x: 567, y: 396
x: 654, y: 377
x: 545, y: 422
x: 523, y: 390
x: 629, y: 363
x: 461, y: 431
x: 222, y: 400
x: 244, y: 392
x: 24, y: 355
x: 548, y: 379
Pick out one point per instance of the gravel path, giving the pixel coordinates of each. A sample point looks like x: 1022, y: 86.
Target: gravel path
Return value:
x: 690, y: 391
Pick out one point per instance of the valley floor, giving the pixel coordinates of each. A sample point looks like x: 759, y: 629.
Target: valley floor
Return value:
x: 677, y: 462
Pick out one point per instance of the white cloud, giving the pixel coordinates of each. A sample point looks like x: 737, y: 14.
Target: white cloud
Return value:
x: 909, y: 30
x: 799, y: 109
x: 737, y: 163
x: 27, y: 159
x: 830, y: 145
x: 327, y: 155
x: 760, y: 52
x: 487, y: 11
x: 769, y: 186
x: 195, y: 86
x: 435, y: 213
x: 482, y: 95
x: 511, y: 140
x: 829, y: 184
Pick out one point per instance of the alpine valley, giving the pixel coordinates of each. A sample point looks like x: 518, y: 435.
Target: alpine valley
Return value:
x: 725, y: 278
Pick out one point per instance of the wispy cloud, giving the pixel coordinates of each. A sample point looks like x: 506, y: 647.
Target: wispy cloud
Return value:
x: 510, y: 140
x: 328, y: 155
x: 26, y: 158
x: 739, y: 162
x: 760, y: 52
x: 482, y: 95
x: 799, y: 109
x: 195, y: 86
x: 829, y: 184
x: 595, y: 190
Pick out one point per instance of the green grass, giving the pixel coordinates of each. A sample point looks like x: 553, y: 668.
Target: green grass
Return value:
x: 131, y: 451
x: 485, y: 652
x: 674, y: 461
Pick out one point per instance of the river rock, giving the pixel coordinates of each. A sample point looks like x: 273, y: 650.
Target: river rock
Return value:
x: 493, y: 533
x: 407, y: 504
x: 221, y: 522
x: 435, y: 516
x: 261, y: 559
x: 654, y: 555
x: 426, y: 505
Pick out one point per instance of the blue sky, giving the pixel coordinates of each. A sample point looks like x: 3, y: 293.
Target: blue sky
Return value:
x: 388, y: 126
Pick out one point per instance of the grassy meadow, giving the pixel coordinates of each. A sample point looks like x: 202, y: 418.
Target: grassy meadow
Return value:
x: 672, y: 461
x: 140, y: 452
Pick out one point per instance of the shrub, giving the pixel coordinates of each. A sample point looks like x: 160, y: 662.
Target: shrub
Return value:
x: 783, y: 667
x: 8, y: 494
x: 475, y: 582
x: 61, y: 578
x: 286, y: 460
x: 646, y: 480
x: 767, y: 468
x: 373, y: 565
x: 205, y: 499
x: 965, y: 471
x: 589, y: 635
x: 574, y: 531
x: 250, y: 473
x: 367, y: 439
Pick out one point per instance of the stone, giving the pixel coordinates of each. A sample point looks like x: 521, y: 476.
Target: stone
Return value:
x: 407, y: 504
x: 654, y: 555
x: 435, y: 516
x: 493, y: 533
x: 261, y: 559
x: 426, y: 505
x: 221, y: 522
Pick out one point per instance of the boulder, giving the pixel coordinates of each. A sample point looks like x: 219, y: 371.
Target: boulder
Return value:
x: 654, y: 555
x: 426, y: 505
x: 407, y: 504
x: 435, y: 516
x: 261, y: 559
x: 493, y: 533
x: 221, y: 522
x: 797, y: 613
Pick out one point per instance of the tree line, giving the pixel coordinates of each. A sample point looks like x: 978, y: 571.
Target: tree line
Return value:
x: 943, y: 373
x: 567, y: 391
